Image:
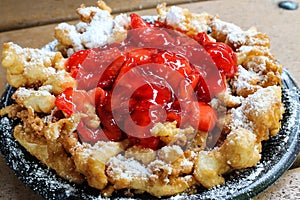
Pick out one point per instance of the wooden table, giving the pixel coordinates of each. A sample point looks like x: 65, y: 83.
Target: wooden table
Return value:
x: 30, y: 23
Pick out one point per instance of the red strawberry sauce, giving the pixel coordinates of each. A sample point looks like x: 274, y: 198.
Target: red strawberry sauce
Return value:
x: 157, y: 74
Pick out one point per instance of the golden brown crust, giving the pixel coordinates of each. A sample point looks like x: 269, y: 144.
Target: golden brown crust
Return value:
x: 51, y: 152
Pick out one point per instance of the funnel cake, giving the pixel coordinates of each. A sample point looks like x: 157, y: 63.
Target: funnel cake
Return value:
x: 177, y: 158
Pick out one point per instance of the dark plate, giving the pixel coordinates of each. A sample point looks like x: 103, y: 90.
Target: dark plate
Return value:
x: 278, y: 155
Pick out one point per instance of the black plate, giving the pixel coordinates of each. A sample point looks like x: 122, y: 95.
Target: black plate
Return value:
x: 278, y: 155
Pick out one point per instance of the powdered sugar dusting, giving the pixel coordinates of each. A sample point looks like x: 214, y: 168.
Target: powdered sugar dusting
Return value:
x: 225, y: 27
x: 96, y: 28
x: 244, y: 80
x: 23, y: 93
x: 240, y: 120
x: 278, y: 153
x: 120, y: 167
x: 175, y: 16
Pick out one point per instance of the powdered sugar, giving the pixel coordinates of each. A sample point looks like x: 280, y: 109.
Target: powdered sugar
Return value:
x: 73, y: 35
x: 97, y: 28
x: 186, y: 163
x: 260, y: 101
x: 239, y: 37
x: 120, y: 167
x: 175, y: 16
x: 225, y: 27
x: 182, y: 18
x: 240, y: 120
x: 121, y: 21
x: 170, y: 153
x: 256, y: 105
x: 246, y: 80
x: 23, y: 93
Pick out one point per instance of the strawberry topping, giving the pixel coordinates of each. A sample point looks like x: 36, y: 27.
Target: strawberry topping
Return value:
x: 153, y: 76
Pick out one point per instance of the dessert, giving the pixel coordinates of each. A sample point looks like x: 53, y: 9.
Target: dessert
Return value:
x: 117, y: 107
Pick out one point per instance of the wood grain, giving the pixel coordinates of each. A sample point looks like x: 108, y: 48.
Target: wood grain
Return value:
x: 16, y: 14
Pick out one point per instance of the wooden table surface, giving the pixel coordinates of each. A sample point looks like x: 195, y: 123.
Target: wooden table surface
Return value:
x: 30, y: 24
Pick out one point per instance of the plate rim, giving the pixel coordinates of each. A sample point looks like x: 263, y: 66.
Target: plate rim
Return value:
x: 250, y: 191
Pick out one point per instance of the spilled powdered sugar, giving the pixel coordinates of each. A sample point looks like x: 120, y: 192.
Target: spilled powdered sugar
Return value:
x: 28, y: 169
